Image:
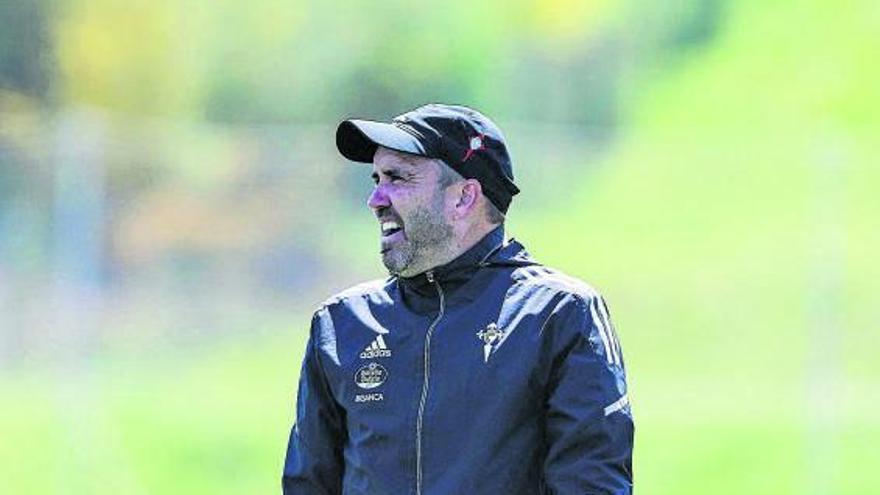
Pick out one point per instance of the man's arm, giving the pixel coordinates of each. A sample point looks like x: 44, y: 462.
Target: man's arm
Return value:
x: 589, y: 422
x: 314, y: 462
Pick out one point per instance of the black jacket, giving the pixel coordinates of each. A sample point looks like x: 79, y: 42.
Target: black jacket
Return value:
x: 490, y: 375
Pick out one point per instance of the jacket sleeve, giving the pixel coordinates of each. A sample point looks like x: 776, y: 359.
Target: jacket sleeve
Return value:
x: 589, y: 425
x: 314, y: 464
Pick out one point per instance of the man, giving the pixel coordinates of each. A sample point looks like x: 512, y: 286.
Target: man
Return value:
x: 472, y: 369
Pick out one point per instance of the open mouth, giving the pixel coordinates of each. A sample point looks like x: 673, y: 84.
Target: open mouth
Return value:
x: 389, y: 228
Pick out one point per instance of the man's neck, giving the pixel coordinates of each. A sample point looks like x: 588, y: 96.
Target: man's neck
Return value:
x: 465, y: 241
x: 469, y: 239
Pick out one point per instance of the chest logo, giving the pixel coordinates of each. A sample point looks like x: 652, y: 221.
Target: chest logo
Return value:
x: 490, y: 336
x: 376, y: 349
x: 370, y: 376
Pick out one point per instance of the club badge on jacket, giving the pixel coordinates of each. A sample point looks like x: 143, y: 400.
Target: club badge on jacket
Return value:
x: 490, y: 336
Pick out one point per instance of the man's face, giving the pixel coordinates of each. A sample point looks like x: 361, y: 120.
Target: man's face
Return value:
x: 411, y: 209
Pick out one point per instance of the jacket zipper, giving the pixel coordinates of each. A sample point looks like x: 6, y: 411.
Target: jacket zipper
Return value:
x: 424, y: 397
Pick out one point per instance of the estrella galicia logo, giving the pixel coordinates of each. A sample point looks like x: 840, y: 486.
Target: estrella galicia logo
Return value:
x: 370, y: 376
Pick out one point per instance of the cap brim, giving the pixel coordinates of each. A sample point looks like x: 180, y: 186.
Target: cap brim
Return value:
x: 358, y: 140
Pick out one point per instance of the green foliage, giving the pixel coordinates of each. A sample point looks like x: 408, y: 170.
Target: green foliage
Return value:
x: 272, y: 61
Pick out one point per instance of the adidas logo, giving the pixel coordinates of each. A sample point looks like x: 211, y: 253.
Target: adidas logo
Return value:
x: 377, y: 349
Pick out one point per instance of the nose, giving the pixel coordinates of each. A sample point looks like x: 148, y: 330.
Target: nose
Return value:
x: 378, y: 198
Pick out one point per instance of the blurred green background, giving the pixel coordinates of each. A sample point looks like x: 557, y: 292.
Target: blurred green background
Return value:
x: 172, y: 208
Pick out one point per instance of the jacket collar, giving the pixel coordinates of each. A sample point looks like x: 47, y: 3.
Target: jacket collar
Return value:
x: 490, y: 250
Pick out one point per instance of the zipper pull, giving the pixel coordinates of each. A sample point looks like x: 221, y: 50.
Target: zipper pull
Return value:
x: 430, y: 276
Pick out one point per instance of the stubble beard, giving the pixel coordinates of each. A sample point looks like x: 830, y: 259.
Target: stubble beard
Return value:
x: 428, y: 238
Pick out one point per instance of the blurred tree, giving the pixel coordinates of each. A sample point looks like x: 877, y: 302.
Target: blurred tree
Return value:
x: 26, y: 59
x: 698, y: 24
x: 129, y: 57
x: 306, y: 61
x: 10, y: 175
x: 26, y: 83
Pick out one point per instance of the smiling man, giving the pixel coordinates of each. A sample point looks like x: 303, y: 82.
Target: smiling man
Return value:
x: 472, y: 369
x: 412, y: 183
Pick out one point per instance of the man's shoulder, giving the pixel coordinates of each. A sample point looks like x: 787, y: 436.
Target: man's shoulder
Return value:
x: 376, y: 290
x: 573, y: 301
x: 545, y: 278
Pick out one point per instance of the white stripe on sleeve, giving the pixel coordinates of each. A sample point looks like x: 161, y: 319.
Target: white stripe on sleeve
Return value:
x: 617, y: 405
x: 601, y: 326
x: 612, y: 335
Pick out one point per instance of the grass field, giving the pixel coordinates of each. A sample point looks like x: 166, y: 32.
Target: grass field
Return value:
x: 733, y: 230
x: 179, y: 421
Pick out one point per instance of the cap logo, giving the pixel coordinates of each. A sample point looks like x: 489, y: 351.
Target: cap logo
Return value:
x: 475, y: 144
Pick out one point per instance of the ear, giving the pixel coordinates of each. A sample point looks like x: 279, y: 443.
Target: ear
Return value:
x: 470, y: 191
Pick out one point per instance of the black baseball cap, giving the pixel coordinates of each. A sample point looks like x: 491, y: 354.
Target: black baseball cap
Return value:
x: 462, y: 137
